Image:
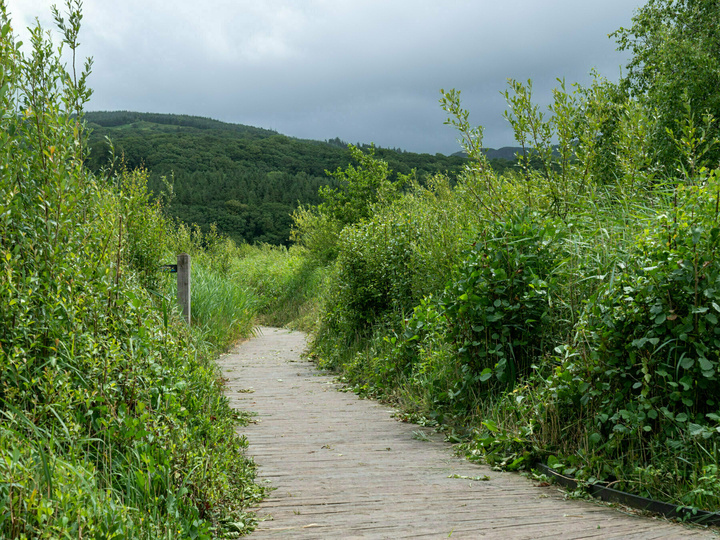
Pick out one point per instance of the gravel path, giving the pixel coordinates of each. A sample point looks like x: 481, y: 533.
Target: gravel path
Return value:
x: 344, y: 468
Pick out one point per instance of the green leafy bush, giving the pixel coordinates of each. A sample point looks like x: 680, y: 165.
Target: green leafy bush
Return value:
x: 390, y: 262
x: 317, y: 232
x: 360, y: 189
x: 499, y: 299
x: 112, y: 419
x: 652, y: 333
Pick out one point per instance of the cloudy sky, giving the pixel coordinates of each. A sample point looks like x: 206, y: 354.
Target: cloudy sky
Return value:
x: 364, y: 71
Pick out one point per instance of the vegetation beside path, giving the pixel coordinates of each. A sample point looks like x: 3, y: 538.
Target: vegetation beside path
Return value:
x: 565, y: 312
x: 113, y: 423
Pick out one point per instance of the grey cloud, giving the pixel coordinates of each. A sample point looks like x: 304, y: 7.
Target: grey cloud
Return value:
x: 363, y: 71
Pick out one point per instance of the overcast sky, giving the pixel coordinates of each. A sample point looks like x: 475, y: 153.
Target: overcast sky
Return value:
x: 364, y: 71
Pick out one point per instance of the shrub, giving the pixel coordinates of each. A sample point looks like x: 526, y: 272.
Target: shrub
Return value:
x: 652, y: 334
x: 113, y: 422
x: 360, y: 189
x: 499, y: 299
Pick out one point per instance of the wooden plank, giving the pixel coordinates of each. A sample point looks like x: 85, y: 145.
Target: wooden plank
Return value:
x: 343, y: 467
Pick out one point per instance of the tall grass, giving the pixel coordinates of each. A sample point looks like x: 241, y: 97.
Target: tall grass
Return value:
x: 222, y: 307
x: 287, y: 284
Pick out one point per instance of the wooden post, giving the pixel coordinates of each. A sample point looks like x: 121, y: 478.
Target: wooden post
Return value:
x: 183, y: 284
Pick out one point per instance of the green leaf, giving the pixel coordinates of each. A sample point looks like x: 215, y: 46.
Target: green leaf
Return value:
x: 705, y: 364
x: 696, y: 234
x: 492, y: 426
x: 485, y: 375
x: 681, y: 417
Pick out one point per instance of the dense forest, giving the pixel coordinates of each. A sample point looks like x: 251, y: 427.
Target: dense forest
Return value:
x: 244, y: 179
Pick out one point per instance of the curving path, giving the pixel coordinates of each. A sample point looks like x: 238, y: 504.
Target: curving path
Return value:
x: 344, y: 468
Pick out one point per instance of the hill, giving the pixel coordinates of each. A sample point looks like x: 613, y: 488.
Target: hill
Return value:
x: 245, y: 179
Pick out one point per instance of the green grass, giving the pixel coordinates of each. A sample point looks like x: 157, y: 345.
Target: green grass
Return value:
x: 286, y: 283
x: 222, y: 307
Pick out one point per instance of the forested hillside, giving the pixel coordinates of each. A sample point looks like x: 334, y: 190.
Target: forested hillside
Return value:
x: 246, y: 180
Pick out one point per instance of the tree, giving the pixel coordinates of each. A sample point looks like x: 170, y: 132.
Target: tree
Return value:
x: 360, y: 188
x: 675, y: 65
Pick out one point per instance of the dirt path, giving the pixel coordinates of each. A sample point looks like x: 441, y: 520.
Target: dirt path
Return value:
x: 344, y: 468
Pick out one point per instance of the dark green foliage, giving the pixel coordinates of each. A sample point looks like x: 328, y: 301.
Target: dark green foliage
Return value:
x: 675, y: 46
x: 170, y: 122
x: 652, y: 334
x: 246, y: 180
x: 499, y: 299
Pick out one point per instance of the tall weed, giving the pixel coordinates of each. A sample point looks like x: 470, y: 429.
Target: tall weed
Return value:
x: 112, y: 419
x: 286, y: 283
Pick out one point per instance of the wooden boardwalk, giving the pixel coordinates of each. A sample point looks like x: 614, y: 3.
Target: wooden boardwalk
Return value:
x: 344, y: 468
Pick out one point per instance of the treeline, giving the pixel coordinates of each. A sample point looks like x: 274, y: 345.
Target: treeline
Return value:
x: 244, y: 179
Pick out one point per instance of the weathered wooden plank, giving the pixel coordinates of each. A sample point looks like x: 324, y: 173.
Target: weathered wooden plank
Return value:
x: 344, y: 468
